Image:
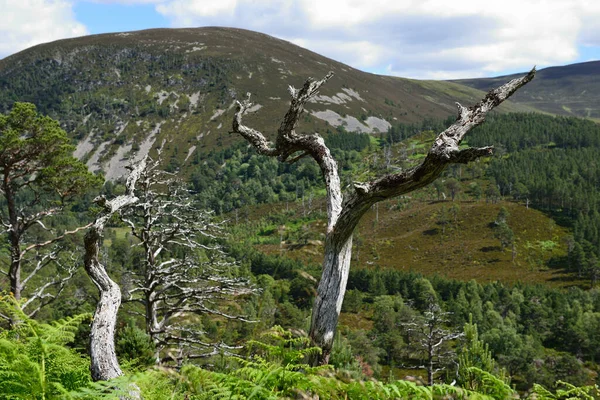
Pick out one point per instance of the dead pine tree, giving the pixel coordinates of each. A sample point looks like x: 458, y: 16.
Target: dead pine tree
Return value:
x: 185, y: 273
x: 345, y: 211
x: 104, y: 364
x: 430, y: 340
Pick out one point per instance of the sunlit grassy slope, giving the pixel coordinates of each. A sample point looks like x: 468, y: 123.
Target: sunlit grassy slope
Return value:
x: 414, y: 240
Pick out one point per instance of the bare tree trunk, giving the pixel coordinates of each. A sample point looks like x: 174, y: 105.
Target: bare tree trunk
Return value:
x: 330, y: 296
x: 104, y: 364
x: 14, y: 274
x: 344, y: 215
x: 430, y: 365
x: 152, y: 325
x: 14, y: 237
x: 176, y: 282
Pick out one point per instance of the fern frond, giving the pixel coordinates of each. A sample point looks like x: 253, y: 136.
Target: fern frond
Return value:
x: 63, y: 331
x: 541, y: 393
x: 489, y: 384
x: 573, y: 392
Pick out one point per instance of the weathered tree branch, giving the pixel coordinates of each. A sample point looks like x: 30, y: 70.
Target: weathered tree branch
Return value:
x: 343, y: 216
x: 47, y: 298
x: 54, y: 240
x: 445, y: 150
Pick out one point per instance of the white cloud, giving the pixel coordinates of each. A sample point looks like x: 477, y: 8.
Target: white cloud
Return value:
x: 363, y: 54
x: 412, y: 38
x: 25, y: 23
x: 423, y: 38
x: 188, y: 10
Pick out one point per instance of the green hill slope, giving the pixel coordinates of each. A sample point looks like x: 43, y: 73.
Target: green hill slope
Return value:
x: 121, y: 94
x: 544, y: 162
x: 415, y: 240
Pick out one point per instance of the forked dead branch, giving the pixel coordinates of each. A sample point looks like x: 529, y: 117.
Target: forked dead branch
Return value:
x: 344, y: 211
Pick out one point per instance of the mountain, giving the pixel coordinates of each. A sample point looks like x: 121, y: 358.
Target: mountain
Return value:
x: 572, y: 90
x: 119, y: 95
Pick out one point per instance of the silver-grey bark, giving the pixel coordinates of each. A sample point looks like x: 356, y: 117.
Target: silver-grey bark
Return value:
x: 184, y: 272
x: 430, y: 339
x: 343, y: 214
x: 104, y: 364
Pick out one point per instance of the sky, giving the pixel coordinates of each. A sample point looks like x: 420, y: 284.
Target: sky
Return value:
x: 424, y: 39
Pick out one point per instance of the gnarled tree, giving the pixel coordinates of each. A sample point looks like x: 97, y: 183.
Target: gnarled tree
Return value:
x: 344, y: 212
x: 104, y: 364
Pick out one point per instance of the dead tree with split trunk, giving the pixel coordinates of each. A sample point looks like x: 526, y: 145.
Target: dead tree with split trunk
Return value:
x: 104, y: 364
x: 345, y: 211
x: 185, y: 272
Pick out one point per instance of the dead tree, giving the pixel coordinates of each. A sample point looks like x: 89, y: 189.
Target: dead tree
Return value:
x: 430, y: 340
x: 104, y: 364
x: 184, y: 272
x: 66, y: 265
x: 344, y: 212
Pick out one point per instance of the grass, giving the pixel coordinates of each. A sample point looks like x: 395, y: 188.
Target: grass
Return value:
x: 359, y: 320
x: 413, y: 240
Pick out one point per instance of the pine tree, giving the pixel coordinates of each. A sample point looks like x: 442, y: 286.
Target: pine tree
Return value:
x: 475, y: 353
x: 38, y: 175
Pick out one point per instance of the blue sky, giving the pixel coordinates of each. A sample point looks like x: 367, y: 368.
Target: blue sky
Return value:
x: 430, y: 39
x: 103, y: 18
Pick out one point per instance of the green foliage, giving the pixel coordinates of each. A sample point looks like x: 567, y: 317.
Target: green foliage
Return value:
x: 549, y: 167
x: 277, y: 371
x: 477, y: 370
x: 35, y: 364
x: 36, y: 153
x: 38, y: 174
x: 475, y: 354
x: 34, y: 361
x: 134, y: 346
x: 347, y: 141
x: 533, y: 332
x: 503, y: 233
x: 152, y: 384
x: 565, y: 391
x: 342, y: 357
x: 486, y: 383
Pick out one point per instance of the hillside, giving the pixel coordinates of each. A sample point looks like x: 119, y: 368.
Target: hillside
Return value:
x: 567, y: 90
x: 410, y: 236
x: 120, y: 94
x: 544, y: 162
